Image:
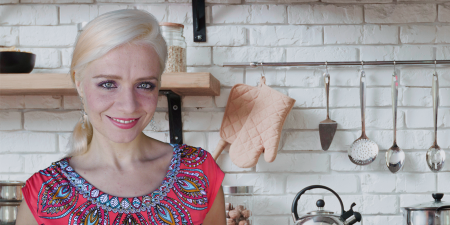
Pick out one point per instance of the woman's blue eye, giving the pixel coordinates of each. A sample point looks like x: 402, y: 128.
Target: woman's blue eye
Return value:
x: 107, y: 85
x: 146, y: 85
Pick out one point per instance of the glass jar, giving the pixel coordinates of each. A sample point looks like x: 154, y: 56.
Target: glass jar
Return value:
x: 176, y: 47
x: 238, y: 204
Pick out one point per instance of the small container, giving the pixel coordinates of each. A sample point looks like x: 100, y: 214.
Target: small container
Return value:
x: 11, y: 191
x: 8, y: 212
x: 239, y: 204
x: 176, y: 47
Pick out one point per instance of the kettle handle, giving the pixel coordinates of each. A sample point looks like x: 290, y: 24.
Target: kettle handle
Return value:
x: 440, y: 208
x: 297, y: 197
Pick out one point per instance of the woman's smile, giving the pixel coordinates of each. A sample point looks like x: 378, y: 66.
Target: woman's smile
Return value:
x: 123, y: 123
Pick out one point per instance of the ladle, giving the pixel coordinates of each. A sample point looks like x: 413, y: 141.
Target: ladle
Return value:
x: 435, y: 155
x: 395, y: 157
x: 363, y: 151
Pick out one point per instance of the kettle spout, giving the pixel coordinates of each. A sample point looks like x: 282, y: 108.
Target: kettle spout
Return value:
x: 356, y: 217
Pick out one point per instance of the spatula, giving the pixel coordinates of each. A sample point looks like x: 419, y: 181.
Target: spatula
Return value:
x: 327, y: 128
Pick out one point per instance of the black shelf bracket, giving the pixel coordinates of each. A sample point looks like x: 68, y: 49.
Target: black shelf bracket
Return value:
x: 199, y: 17
x: 175, y: 123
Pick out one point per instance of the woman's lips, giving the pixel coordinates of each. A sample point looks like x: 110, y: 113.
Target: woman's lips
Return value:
x: 124, y: 123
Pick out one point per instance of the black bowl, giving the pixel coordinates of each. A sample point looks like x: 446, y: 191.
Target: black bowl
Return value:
x: 17, y: 62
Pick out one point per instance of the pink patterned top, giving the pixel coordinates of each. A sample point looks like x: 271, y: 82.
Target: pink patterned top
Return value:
x: 59, y: 195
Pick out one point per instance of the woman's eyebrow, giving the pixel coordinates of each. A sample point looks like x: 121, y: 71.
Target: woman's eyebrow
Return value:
x: 120, y: 78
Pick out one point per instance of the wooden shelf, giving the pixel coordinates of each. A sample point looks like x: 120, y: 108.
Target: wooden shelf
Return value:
x: 185, y: 84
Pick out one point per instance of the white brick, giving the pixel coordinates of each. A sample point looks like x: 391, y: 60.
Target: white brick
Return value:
x: 400, y: 13
x: 10, y: 120
x: 159, y: 11
x: 66, y: 56
x: 380, y: 204
x: 425, y: 121
x: 19, y: 177
x: 51, y: 121
x: 341, y: 183
x: 180, y: 13
x: 378, y: 183
x: 249, y: 14
x: 247, y: 54
x: 305, y: 119
x: 12, y: 163
x: 162, y: 102
x: 332, y: 204
x: 378, y: 219
x: 50, y: 70
x: 443, y: 53
x: 444, y: 96
x: 42, y: 102
x: 29, y: 15
x: 382, y: 118
x: 198, y: 101
x: 295, y: 163
x: 387, y: 53
x: 27, y: 142
x: 378, y: 76
x: 160, y: 136
x: 344, y: 34
x: 202, y: 120
x: 418, y: 34
x: 297, y: 182
x: 375, y: 97
x: 226, y: 165
x: 286, y: 35
x: 415, y: 139
x: 272, y: 205
x: 342, y: 140
x: 323, y: 14
x: 45, y: 57
x: 72, y: 102
x: 272, y: 220
x: 357, y: 1
x: 320, y: 54
x: 131, y: 1
x: 305, y: 98
x: 224, y: 1
x: 383, y: 138
x: 218, y: 36
x: 341, y: 162
x: 444, y: 141
x: 274, y: 76
x: 198, y: 56
x: 444, y: 13
x: 299, y: 77
x: 222, y: 99
x: 76, y: 13
x: 213, y: 140
x: 36, y: 162
x: 102, y: 9
x: 415, y: 162
x: 417, y: 76
x: 12, y: 101
x: 227, y: 76
x: 347, y: 118
x: 63, y: 142
x: 48, y: 35
x: 416, y: 183
x: 443, y: 182
x: 9, y: 36
x: 380, y: 34
x: 407, y: 200
x: 301, y: 140
x: 196, y: 139
x: 161, y: 120
x: 9, y: 2
x: 345, y: 77
x: 264, y: 184
x: 417, y: 97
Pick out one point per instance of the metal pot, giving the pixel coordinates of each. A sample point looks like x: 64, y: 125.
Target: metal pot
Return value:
x: 321, y: 216
x: 8, y: 212
x: 429, y: 213
x: 11, y: 191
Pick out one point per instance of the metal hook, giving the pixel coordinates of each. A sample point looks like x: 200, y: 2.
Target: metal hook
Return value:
x: 362, y: 65
x: 326, y: 66
x: 264, y: 74
x: 435, y: 70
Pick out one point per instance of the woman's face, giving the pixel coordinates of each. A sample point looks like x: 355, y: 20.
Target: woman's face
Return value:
x: 120, y: 91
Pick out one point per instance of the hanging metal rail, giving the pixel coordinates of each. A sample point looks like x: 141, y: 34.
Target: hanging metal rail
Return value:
x: 349, y: 63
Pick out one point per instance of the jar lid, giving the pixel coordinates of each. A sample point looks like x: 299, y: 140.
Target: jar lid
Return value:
x: 11, y: 183
x: 10, y: 203
x: 237, y: 189
x: 432, y: 205
x: 171, y: 24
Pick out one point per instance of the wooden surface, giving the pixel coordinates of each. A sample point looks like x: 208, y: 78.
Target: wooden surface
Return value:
x: 186, y: 84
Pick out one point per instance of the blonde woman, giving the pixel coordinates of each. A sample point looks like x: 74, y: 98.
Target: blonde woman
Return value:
x: 115, y: 174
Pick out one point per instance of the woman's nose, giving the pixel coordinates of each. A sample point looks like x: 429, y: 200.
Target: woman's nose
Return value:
x: 127, y: 101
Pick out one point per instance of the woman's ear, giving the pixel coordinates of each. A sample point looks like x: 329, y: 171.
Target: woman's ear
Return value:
x: 78, y: 86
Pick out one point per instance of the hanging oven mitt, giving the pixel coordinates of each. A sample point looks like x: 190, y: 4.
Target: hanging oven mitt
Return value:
x: 252, y: 123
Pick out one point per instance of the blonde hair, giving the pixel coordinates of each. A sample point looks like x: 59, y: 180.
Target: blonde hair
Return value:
x: 106, y: 32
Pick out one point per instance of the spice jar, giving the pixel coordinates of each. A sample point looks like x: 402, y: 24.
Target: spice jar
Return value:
x: 238, y: 204
x: 176, y: 47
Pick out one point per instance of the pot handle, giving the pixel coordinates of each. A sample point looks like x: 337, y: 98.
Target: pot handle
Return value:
x: 440, y: 208
x: 297, y: 197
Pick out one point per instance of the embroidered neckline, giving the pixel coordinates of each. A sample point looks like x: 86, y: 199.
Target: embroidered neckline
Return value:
x: 124, y: 204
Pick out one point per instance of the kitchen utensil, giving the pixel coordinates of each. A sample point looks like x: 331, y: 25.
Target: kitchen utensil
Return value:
x: 238, y: 204
x: 436, y: 212
x: 435, y: 155
x: 252, y: 123
x: 322, y: 217
x: 8, y: 212
x: 363, y: 151
x: 11, y: 191
x: 395, y: 157
x: 16, y: 62
x: 327, y: 128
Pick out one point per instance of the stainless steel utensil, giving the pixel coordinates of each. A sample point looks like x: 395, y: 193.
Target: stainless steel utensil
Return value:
x: 395, y: 157
x: 435, y: 155
x: 363, y: 151
x: 8, y: 212
x: 327, y: 128
x: 11, y: 190
x: 436, y: 212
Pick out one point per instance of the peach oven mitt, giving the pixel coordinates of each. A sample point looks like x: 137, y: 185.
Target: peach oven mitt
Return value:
x: 252, y: 123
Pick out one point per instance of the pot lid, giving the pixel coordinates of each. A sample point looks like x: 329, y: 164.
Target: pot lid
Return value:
x: 432, y: 205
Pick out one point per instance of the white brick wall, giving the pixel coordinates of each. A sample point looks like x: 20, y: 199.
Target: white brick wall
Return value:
x: 34, y: 130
